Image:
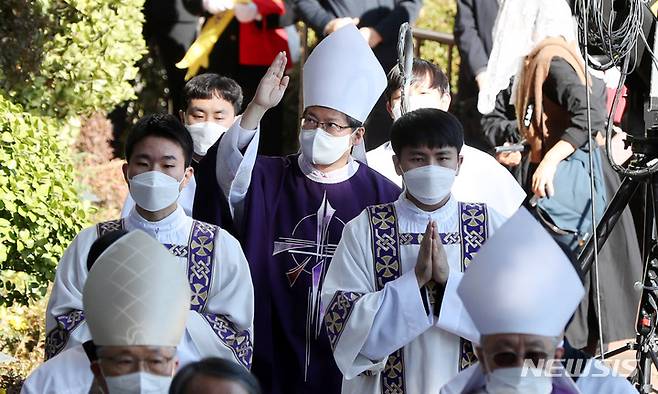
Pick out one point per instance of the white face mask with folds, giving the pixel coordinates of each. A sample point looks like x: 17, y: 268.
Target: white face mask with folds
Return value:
x: 417, y: 101
x: 204, y: 135
x: 429, y: 184
x: 320, y: 147
x: 521, y: 380
x: 138, y: 383
x: 154, y: 190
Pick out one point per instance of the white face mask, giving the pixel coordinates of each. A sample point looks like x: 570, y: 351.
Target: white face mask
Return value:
x: 519, y: 380
x: 204, y: 135
x: 429, y: 184
x: 154, y: 190
x: 320, y: 147
x: 417, y: 101
x: 138, y: 382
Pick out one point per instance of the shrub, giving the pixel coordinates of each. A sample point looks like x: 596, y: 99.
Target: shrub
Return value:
x: 40, y: 210
x: 66, y: 58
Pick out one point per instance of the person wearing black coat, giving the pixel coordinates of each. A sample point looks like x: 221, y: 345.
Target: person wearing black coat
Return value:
x: 473, y: 35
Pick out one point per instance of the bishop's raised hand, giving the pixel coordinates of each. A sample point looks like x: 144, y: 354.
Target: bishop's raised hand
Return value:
x: 268, y: 94
x: 273, y: 84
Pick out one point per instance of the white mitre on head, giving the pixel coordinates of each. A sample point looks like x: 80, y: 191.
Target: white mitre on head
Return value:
x: 136, y: 294
x: 342, y: 73
x: 521, y: 282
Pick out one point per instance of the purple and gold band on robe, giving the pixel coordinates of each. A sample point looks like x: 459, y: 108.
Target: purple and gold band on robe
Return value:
x: 338, y: 311
x: 407, y: 239
x: 239, y: 342
x: 386, y: 252
x: 58, y: 337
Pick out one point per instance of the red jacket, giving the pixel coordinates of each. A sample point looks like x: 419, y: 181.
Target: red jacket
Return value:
x: 259, y: 44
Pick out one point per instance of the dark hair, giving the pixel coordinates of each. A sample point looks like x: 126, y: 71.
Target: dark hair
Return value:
x: 216, y: 368
x: 209, y: 85
x: 103, y: 242
x: 426, y: 127
x: 160, y: 125
x: 420, y: 69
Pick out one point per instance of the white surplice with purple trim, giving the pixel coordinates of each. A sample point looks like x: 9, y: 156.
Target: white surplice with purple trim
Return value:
x: 368, y: 322
x: 220, y: 322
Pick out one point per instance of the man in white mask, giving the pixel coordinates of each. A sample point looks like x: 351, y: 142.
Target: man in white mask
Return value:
x: 212, y: 103
x: 290, y: 211
x: 392, y: 312
x: 159, y: 152
x: 520, y: 292
x: 481, y: 178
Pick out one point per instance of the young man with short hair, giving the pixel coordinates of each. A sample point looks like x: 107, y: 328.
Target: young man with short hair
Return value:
x: 159, y: 153
x: 212, y: 102
x: 482, y: 178
x: 392, y: 314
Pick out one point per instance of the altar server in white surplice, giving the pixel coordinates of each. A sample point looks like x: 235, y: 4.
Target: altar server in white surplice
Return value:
x: 159, y: 152
x: 479, y: 172
x: 392, y: 314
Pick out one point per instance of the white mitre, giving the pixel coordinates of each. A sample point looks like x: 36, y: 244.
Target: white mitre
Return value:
x: 521, y: 282
x: 342, y: 73
x: 136, y: 294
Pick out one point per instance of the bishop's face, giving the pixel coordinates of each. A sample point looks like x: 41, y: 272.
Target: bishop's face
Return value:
x: 512, y: 350
x: 118, y: 367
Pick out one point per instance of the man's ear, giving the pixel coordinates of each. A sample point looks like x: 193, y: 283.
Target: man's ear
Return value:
x: 181, y: 115
x: 389, y: 109
x: 460, y: 160
x: 124, y: 169
x: 396, y: 165
x: 189, y: 173
x: 445, y: 102
x: 359, y: 135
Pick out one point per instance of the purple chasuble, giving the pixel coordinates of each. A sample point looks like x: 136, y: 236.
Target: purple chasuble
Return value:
x: 292, y: 226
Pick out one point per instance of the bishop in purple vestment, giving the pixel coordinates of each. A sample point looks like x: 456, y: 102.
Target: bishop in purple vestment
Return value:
x: 290, y: 211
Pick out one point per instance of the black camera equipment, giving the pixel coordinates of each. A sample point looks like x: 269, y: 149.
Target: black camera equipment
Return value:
x: 624, y: 32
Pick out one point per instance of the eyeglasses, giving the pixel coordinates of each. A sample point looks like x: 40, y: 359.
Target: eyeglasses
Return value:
x: 510, y: 359
x: 122, y: 365
x: 329, y: 127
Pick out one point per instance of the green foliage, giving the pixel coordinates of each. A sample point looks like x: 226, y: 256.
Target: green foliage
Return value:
x: 439, y: 16
x: 40, y: 210
x: 59, y: 59
x: 64, y: 58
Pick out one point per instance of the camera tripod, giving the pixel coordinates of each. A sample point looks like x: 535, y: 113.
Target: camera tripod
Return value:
x: 646, y: 343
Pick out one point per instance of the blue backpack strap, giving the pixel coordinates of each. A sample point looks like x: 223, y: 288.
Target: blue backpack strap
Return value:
x: 473, y: 230
x: 201, y: 247
x: 386, y: 253
x: 109, y: 226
